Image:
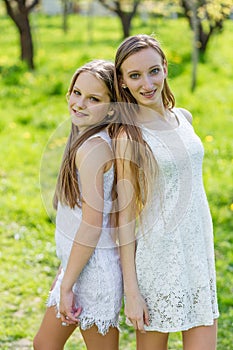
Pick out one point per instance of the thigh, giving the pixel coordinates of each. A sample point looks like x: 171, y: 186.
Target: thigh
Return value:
x: 97, y: 341
x: 51, y: 334
x: 152, y: 340
x: 200, y: 338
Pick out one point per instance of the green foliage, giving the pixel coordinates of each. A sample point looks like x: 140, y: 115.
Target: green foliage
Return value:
x: 33, y: 105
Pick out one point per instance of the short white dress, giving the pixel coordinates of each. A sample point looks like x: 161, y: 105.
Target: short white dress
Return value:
x: 174, y: 253
x: 98, y: 289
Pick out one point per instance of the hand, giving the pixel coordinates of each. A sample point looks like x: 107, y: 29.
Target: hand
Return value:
x: 136, y: 311
x: 69, y: 313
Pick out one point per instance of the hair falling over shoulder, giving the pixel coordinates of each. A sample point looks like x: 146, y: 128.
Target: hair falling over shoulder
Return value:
x: 143, y: 164
x: 67, y: 188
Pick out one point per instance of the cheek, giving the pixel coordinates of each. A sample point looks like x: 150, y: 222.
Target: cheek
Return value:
x: 71, y: 101
x: 159, y: 80
x: 133, y: 86
x: 99, y: 111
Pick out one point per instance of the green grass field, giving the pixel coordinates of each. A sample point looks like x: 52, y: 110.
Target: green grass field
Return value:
x: 33, y: 105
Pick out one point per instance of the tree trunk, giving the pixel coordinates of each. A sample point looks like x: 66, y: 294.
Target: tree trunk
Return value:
x: 204, y: 38
x: 126, y: 24
x: 26, y: 42
x: 125, y: 17
x: 191, y: 6
x: 195, y: 52
x: 65, y: 15
x: 19, y: 13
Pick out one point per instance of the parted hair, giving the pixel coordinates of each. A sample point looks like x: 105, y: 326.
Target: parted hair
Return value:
x: 128, y: 47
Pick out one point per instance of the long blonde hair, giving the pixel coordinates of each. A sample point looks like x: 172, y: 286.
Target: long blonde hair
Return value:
x: 67, y: 188
x: 142, y: 157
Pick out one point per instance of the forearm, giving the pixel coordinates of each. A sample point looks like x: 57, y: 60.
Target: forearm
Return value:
x: 127, y: 254
x: 83, y: 247
x: 135, y: 307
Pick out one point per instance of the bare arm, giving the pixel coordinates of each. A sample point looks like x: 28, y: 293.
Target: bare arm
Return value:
x: 91, y: 161
x: 135, y: 307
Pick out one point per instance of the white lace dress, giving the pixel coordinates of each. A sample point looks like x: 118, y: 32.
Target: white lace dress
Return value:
x: 174, y: 253
x: 98, y: 290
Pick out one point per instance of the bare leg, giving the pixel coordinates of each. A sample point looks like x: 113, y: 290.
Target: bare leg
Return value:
x: 97, y: 341
x: 52, y: 335
x: 152, y: 340
x: 201, y: 338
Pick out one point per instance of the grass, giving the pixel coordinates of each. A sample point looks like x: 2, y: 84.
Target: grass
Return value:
x: 32, y: 106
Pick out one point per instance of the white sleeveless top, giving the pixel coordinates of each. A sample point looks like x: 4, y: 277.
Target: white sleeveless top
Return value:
x: 174, y: 254
x: 98, y: 289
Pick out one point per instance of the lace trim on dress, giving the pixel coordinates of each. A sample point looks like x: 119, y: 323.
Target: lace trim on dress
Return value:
x: 85, y: 321
x: 102, y: 326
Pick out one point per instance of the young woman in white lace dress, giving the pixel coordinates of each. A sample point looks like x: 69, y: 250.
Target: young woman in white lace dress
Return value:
x: 168, y: 266
x: 88, y: 289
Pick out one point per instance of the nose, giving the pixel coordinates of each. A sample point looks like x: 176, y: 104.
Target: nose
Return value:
x: 147, y: 82
x: 80, y: 103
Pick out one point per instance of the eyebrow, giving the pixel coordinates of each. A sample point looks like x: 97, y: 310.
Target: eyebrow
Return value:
x: 90, y: 94
x: 138, y: 70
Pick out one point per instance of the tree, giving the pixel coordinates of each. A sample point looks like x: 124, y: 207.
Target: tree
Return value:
x: 19, y: 11
x: 125, y: 10
x: 68, y: 7
x: 210, y: 16
x: 65, y: 10
x: 195, y: 52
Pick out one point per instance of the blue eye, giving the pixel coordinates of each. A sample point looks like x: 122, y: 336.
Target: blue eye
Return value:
x: 155, y: 71
x: 134, y: 76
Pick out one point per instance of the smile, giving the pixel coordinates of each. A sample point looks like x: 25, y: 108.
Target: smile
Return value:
x: 148, y: 94
x: 79, y: 114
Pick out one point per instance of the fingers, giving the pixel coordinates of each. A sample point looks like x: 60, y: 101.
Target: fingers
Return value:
x: 77, y: 312
x: 140, y: 326
x: 146, y: 317
x: 139, y: 322
x: 68, y: 318
x: 67, y: 321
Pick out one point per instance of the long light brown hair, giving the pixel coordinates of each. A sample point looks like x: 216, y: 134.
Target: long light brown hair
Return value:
x: 67, y: 187
x: 142, y: 157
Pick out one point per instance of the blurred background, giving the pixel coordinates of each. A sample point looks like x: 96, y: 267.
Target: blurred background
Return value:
x: 41, y: 45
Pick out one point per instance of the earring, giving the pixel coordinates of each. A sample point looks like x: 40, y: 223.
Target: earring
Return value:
x: 124, y: 86
x: 110, y: 113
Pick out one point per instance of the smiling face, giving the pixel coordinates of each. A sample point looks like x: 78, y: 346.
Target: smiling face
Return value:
x: 143, y: 73
x: 88, y: 101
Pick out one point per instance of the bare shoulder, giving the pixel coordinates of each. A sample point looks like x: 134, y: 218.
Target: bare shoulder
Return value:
x: 123, y: 145
x: 94, y: 151
x: 187, y: 114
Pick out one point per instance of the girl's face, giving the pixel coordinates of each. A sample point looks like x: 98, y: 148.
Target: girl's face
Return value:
x: 89, y: 101
x: 144, y: 73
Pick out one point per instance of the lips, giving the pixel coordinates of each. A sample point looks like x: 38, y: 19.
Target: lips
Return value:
x: 79, y: 114
x: 148, y: 94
